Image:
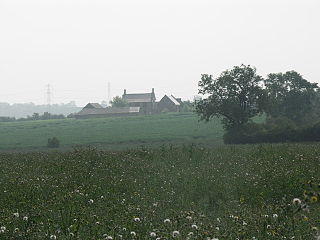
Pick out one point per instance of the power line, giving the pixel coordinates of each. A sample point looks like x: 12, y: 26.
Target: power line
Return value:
x: 49, y: 97
x: 109, y: 93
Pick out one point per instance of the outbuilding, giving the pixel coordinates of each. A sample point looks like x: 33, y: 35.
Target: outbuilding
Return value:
x: 169, y: 104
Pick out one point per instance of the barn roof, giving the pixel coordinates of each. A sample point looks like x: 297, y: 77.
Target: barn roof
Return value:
x: 138, y: 97
x: 174, y: 100
x: 93, y: 105
x: 123, y: 110
x: 106, y: 111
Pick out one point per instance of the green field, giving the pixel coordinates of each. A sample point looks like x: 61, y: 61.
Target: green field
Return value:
x: 227, y: 192
x: 112, y: 133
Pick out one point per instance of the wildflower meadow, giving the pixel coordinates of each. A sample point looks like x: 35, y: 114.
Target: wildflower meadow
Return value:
x: 186, y: 192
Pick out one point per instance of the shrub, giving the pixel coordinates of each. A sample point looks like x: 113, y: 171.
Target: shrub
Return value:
x: 273, y: 131
x: 53, y: 142
x: 246, y: 133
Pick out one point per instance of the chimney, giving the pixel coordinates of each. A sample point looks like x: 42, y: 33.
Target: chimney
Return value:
x: 125, y: 92
x: 153, y: 90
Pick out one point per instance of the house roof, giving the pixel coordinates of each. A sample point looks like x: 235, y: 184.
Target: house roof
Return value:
x: 138, y: 97
x: 93, y: 105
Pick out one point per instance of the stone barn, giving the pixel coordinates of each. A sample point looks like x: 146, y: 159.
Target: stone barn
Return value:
x: 146, y: 101
x: 169, y: 104
x: 95, y: 110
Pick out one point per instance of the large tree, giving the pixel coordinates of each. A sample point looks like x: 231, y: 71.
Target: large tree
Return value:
x: 118, y: 102
x: 235, y: 95
x: 290, y: 95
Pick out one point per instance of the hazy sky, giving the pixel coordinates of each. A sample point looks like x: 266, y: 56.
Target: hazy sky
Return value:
x: 77, y: 46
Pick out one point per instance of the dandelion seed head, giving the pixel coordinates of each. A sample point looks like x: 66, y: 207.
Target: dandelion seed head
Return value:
x: 194, y: 226
x: 175, y: 233
x: 296, y: 201
x: 167, y: 220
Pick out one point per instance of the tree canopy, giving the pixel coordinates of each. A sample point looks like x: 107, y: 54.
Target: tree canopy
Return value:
x: 289, y: 95
x: 235, y: 95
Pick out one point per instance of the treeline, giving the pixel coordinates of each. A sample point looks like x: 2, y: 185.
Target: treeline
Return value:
x: 23, y: 110
x: 37, y: 116
x: 290, y: 103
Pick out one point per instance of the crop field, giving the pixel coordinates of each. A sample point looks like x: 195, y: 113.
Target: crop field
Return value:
x: 111, y: 133
x: 225, y: 192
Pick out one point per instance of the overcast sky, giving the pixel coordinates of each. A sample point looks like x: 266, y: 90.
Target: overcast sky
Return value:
x: 77, y: 46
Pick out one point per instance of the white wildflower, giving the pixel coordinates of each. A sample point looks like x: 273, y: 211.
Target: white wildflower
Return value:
x: 153, y: 234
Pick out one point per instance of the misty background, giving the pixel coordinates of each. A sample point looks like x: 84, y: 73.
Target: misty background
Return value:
x: 78, y: 46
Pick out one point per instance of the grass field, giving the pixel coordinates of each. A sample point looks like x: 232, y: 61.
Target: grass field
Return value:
x: 112, y: 133
x: 226, y: 192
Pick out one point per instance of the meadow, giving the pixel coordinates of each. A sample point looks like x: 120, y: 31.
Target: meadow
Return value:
x: 111, y: 133
x: 188, y: 192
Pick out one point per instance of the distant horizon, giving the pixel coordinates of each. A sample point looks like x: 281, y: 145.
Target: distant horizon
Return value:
x: 65, y: 103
